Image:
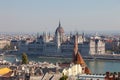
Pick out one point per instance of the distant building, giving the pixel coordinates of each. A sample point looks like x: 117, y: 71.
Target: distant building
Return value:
x: 3, y: 43
x: 62, y: 45
x: 14, y: 44
x: 97, y: 45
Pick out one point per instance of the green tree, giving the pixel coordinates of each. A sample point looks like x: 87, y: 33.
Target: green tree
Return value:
x: 64, y: 77
x: 24, y: 58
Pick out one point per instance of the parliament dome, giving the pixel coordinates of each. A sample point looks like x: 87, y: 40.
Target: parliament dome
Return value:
x: 59, y: 29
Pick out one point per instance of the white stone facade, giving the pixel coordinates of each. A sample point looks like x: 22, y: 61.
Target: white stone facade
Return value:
x: 59, y: 44
x: 73, y: 70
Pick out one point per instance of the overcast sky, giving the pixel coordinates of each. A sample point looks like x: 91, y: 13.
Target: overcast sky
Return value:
x: 44, y: 15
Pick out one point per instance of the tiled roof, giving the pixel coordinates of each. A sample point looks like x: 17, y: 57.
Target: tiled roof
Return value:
x: 4, y: 71
x: 87, y: 70
x: 79, y: 59
x: 8, y: 74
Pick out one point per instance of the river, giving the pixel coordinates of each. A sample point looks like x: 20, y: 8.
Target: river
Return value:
x: 96, y: 66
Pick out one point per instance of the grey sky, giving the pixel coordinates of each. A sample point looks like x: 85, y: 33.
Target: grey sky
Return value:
x: 44, y: 15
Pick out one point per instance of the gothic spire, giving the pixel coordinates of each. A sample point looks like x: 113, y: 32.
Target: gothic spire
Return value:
x: 75, y: 45
x: 59, y: 24
x: 75, y: 49
x: 77, y: 58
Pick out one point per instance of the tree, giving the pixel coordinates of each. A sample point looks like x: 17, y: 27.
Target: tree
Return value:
x: 24, y: 58
x: 64, y: 77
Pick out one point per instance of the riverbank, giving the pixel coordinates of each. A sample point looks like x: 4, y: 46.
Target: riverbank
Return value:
x: 96, y: 66
x: 90, y: 57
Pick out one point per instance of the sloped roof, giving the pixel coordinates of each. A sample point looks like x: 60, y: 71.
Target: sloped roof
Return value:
x: 8, y: 74
x: 79, y: 59
x: 4, y: 71
x: 87, y: 70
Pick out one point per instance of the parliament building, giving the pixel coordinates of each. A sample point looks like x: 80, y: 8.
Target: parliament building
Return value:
x: 61, y: 44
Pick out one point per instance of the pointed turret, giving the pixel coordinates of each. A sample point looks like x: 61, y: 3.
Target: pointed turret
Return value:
x: 87, y: 70
x: 75, y: 49
x: 77, y: 58
x: 75, y: 45
x: 59, y: 24
x: 78, y: 65
x: 80, y: 59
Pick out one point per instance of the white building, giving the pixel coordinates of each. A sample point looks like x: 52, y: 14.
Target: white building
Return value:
x: 97, y: 46
x: 62, y: 45
x: 3, y: 43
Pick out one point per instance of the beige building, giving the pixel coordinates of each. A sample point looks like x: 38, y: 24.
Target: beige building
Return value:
x: 73, y: 70
x: 61, y: 44
x: 97, y: 46
x: 3, y: 43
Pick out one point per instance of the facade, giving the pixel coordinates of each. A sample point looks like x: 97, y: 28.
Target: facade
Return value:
x: 62, y: 45
x: 3, y: 43
x: 91, y: 77
x: 14, y: 44
x: 97, y: 45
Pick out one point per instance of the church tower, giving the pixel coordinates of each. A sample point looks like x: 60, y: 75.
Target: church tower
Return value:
x: 77, y: 58
x: 78, y: 65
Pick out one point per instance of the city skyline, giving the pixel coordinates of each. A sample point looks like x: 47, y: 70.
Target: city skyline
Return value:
x: 39, y: 16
